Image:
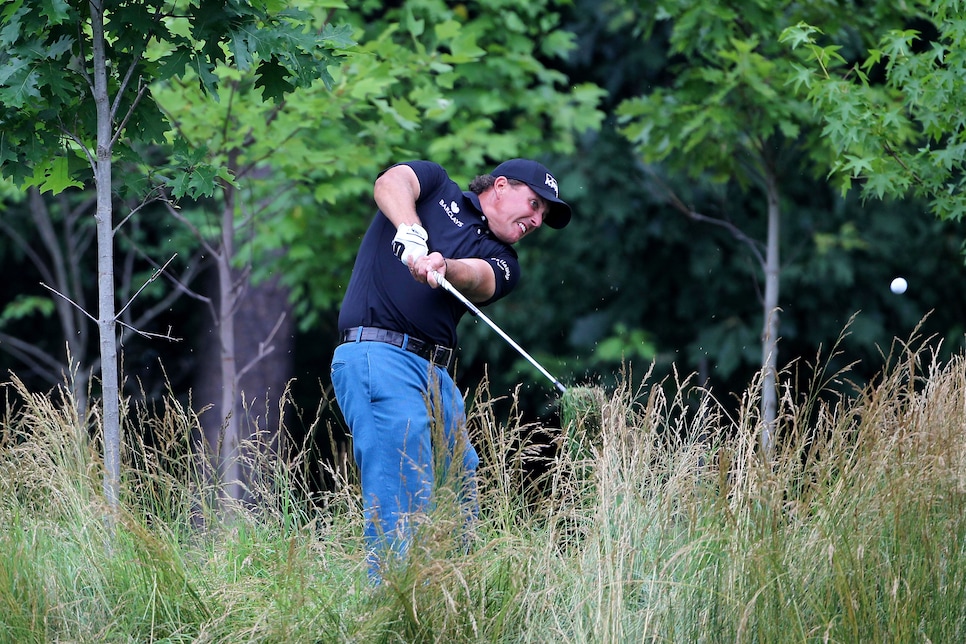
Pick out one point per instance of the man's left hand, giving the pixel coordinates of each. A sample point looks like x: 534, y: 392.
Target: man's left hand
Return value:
x: 409, y: 244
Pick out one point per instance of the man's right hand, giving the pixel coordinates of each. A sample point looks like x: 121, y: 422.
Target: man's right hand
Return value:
x: 409, y: 244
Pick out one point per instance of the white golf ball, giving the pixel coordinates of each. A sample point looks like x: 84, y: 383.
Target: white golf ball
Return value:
x: 898, y: 285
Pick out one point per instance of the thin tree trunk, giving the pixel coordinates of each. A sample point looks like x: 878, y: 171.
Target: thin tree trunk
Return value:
x: 64, y: 270
x: 104, y: 216
x: 229, y: 465
x: 769, y: 334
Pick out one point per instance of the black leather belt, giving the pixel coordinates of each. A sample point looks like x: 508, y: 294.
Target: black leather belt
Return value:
x: 439, y: 355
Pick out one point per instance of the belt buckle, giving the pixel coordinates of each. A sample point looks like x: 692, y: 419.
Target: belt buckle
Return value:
x: 442, y: 356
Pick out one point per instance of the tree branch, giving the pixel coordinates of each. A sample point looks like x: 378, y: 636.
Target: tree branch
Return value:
x: 73, y: 137
x: 672, y: 198
x: 146, y: 334
x: 22, y: 244
x: 81, y: 40
x: 142, y: 88
x: 180, y: 283
x: 76, y: 305
x: 153, y: 195
x: 194, y: 229
x: 165, y: 303
x: 65, y: 273
x: 264, y: 348
x: 153, y: 277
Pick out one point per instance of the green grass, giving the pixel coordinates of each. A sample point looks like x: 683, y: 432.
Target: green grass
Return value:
x: 658, y: 521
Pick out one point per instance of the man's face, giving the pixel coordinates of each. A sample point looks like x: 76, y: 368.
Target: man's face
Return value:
x: 516, y: 212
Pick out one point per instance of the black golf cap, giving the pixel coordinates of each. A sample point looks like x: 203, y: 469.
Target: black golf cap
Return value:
x: 542, y: 182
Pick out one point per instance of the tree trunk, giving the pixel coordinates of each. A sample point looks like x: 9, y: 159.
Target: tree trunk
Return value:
x: 229, y: 468
x: 104, y: 216
x: 259, y: 313
x: 64, y: 269
x: 769, y: 334
x: 256, y: 405
x: 262, y: 388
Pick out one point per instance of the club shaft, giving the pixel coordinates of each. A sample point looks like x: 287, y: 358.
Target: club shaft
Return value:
x: 475, y: 310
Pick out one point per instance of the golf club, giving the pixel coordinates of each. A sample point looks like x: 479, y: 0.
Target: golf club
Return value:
x: 444, y: 283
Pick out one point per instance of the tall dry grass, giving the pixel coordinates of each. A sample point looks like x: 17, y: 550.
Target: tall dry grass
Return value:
x: 655, y: 519
x: 855, y: 532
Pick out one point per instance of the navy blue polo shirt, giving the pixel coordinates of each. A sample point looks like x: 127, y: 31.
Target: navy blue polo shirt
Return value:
x: 381, y: 291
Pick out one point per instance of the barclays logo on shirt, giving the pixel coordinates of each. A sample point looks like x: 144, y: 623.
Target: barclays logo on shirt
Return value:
x: 451, y: 211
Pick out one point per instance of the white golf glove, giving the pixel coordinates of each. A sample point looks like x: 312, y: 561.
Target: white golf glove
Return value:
x: 410, y: 243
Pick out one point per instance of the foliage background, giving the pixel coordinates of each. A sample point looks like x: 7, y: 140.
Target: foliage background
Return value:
x: 630, y: 283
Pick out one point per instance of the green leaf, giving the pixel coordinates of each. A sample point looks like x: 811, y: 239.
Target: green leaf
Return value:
x: 57, y: 177
x: 179, y: 184
x: 447, y: 30
x: 272, y: 78
x: 949, y: 157
x: 12, y: 11
x: 337, y: 37
x: 24, y: 306
x: 12, y: 68
x: 799, y: 34
x: 202, y: 181
x: 20, y: 85
x: 626, y: 345
x: 173, y: 65
x: 55, y: 11
x: 857, y: 166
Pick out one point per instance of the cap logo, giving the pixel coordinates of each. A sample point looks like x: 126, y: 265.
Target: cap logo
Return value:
x: 553, y: 184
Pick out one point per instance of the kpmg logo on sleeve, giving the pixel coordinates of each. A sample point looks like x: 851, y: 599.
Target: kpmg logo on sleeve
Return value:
x: 451, y: 211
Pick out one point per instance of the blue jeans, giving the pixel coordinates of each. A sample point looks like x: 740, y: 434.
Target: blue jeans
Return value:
x: 391, y: 399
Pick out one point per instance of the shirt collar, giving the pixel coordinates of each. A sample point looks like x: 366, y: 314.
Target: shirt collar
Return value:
x: 475, y: 200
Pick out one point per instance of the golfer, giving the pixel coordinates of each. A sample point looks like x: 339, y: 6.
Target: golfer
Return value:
x: 392, y: 371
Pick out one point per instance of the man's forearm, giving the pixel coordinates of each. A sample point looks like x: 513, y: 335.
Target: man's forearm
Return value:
x: 472, y: 276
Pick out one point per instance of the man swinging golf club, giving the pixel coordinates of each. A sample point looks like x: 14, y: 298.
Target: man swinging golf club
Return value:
x: 391, y: 371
